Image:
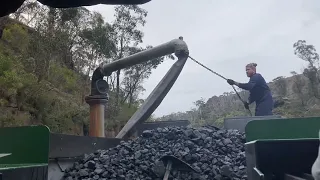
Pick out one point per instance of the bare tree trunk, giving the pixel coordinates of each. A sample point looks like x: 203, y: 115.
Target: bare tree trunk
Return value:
x: 118, y: 87
x: 130, y: 100
x: 118, y: 72
x: 51, y: 21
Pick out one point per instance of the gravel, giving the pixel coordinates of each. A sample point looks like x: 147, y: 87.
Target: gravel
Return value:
x: 214, y: 154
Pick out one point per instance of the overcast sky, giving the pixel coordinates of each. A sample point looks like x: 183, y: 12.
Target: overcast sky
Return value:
x: 225, y: 36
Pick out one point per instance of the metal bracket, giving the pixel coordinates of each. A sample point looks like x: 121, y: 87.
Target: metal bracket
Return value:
x: 258, y: 174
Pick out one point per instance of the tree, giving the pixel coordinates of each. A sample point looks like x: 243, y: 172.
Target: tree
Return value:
x: 127, y: 21
x: 135, y: 75
x: 47, y: 81
x: 98, y: 41
x: 200, y: 104
x: 308, y: 53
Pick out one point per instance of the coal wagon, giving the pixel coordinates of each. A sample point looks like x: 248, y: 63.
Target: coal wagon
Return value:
x: 275, y: 148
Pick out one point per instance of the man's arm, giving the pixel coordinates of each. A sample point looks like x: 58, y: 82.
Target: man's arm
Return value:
x: 248, y: 86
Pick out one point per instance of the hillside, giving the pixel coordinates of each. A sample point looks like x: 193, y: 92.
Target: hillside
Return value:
x: 47, y: 56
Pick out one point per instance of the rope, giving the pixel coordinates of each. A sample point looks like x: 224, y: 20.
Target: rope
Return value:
x: 234, y: 89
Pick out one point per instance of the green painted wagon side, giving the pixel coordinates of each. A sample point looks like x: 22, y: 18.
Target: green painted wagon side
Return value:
x: 282, y: 148
x: 284, y: 128
x: 24, y: 152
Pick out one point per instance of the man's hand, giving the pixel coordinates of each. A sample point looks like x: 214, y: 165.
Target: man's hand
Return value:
x: 230, y: 81
x: 246, y: 105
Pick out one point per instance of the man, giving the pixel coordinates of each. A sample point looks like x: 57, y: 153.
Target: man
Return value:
x: 259, y: 91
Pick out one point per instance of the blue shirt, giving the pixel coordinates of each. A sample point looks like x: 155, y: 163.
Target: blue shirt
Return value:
x: 258, y: 88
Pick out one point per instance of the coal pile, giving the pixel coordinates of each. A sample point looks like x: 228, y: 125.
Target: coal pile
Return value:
x: 214, y: 154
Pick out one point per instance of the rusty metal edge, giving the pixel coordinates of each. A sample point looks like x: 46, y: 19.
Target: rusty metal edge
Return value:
x: 68, y: 146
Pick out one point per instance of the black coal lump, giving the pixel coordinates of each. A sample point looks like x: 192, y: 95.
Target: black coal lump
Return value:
x: 215, y: 155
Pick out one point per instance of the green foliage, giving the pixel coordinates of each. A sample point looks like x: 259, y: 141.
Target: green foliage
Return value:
x: 219, y: 122
x: 128, y: 19
x: 308, y: 53
x: 99, y: 36
x: 9, y: 117
x: 63, y: 78
x: 13, y: 80
x: 5, y: 64
x: 134, y: 76
x: 12, y: 76
x: 31, y: 102
x: 17, y: 36
x: 45, y: 68
x: 126, y: 113
x: 33, y: 88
